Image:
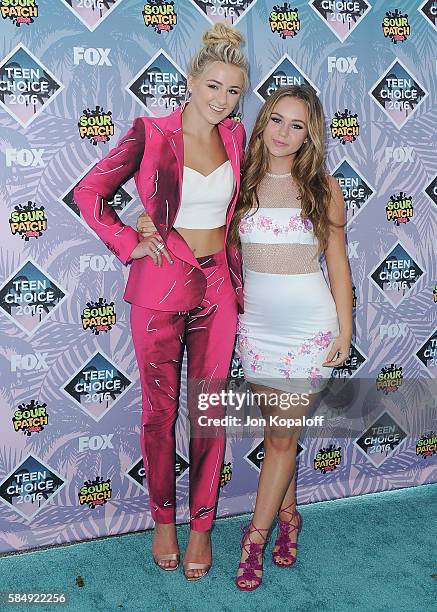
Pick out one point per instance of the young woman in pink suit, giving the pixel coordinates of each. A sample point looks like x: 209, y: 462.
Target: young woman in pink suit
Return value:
x: 187, y: 172
x: 295, y: 328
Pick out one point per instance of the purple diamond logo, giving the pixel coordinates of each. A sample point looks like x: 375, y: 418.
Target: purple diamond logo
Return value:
x: 30, y: 486
x: 255, y: 456
x: 341, y: 16
x: 29, y: 296
x: 427, y: 354
x: 398, y: 93
x: 26, y: 85
x: 228, y: 11
x: 97, y: 386
x: 91, y: 12
x: 429, y: 10
x: 355, y: 361
x: 160, y: 85
x: 380, y: 440
x: 137, y: 473
x: 396, y: 275
x: 285, y: 72
x: 357, y: 192
x: 431, y: 190
x: 121, y: 201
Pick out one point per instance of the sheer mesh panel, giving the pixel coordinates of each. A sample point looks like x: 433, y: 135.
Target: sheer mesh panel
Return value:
x: 275, y: 192
x: 280, y: 258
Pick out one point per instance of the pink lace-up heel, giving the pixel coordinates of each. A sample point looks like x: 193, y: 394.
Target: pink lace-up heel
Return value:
x: 252, y: 562
x: 284, y: 557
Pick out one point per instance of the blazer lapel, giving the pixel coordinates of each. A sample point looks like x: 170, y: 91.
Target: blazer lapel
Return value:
x: 175, y: 140
x: 168, y: 160
x: 230, y: 143
x: 173, y: 132
x: 232, y: 149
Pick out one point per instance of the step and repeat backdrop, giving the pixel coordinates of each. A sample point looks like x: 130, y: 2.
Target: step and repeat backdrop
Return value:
x: 73, y: 75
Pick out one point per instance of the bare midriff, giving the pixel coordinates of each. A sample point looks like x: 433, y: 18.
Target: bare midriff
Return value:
x: 203, y: 241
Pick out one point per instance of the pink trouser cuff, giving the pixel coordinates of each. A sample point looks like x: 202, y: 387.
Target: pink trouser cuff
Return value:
x: 164, y: 515
x: 201, y: 524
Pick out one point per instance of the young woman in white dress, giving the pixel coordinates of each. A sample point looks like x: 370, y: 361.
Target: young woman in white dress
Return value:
x: 295, y: 328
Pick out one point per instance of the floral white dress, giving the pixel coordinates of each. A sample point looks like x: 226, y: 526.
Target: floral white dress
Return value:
x: 290, y: 319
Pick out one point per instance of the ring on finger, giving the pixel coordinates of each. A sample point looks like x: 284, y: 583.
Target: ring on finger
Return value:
x: 159, y: 246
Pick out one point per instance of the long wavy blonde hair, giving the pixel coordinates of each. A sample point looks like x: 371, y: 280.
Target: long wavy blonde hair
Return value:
x: 308, y: 170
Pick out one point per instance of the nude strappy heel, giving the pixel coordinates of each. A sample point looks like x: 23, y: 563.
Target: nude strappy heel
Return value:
x: 168, y: 557
x: 201, y: 566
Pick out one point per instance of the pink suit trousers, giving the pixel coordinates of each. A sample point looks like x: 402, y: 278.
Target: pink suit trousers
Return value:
x: 208, y: 330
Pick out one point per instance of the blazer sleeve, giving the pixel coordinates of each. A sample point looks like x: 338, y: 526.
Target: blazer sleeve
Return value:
x: 100, y: 185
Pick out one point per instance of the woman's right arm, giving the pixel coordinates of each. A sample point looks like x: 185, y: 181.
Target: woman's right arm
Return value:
x: 100, y: 185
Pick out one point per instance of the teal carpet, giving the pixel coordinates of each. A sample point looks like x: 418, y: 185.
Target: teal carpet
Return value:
x: 373, y: 553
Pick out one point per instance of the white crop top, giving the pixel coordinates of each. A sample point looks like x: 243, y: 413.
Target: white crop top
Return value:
x: 205, y: 199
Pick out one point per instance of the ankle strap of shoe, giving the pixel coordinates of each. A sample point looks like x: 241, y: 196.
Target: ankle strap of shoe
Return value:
x: 252, y: 529
x: 286, y: 509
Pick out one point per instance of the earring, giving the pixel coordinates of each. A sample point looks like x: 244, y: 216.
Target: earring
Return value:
x: 241, y: 108
x: 186, y: 99
x: 237, y: 114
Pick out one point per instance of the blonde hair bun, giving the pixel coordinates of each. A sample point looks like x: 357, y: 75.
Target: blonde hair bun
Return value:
x: 222, y: 33
x: 220, y: 44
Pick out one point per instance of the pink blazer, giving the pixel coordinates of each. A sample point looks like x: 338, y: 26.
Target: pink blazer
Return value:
x: 153, y: 152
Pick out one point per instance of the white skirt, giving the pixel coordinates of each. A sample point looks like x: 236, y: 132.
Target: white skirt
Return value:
x: 286, y: 331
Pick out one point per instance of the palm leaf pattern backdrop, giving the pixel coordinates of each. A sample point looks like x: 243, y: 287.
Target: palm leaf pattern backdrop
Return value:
x: 66, y: 346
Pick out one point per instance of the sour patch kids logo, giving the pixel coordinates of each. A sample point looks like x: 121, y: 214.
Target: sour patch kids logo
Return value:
x: 160, y: 15
x: 96, y: 125
x: 28, y: 221
x: 19, y: 11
